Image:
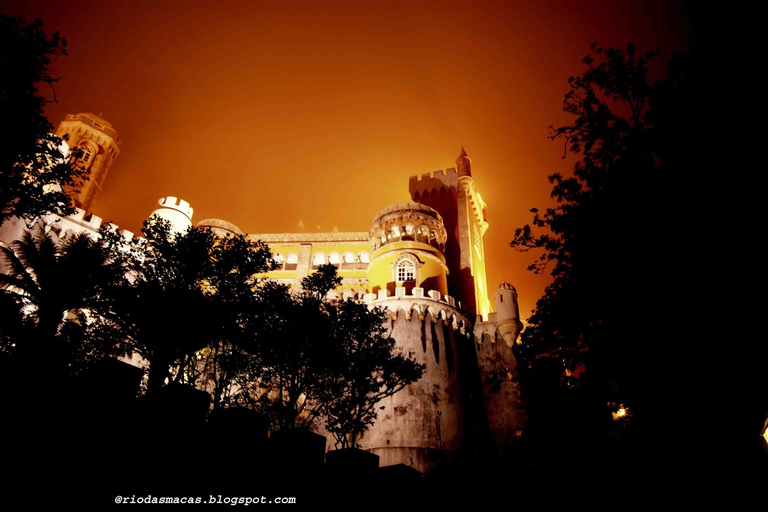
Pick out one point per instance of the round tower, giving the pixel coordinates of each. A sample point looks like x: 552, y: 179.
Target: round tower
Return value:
x: 505, y: 405
x: 176, y: 211
x: 407, y: 244
x: 429, y: 424
x: 507, y: 314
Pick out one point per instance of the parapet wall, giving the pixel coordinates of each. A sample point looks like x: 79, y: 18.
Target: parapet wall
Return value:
x: 425, y: 425
x: 93, y: 121
x: 427, y: 183
x: 177, y: 204
x: 439, y: 306
x: 79, y: 221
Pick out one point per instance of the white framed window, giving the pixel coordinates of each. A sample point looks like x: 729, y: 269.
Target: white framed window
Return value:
x: 406, y: 270
x: 318, y: 259
x: 292, y: 261
x: 87, y: 152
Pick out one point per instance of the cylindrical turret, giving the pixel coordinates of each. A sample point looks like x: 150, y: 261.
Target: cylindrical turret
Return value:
x: 407, y: 240
x: 464, y: 164
x: 425, y: 425
x: 176, y: 211
x: 507, y: 313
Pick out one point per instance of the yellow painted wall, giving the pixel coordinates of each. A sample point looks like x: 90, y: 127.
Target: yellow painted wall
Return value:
x: 431, y: 275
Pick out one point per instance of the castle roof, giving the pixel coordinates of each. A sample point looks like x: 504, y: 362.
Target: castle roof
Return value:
x: 409, y: 206
x: 464, y: 164
x: 220, y: 225
x: 96, y: 122
x: 505, y: 286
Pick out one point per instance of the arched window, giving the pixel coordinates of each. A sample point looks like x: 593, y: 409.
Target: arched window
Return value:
x: 87, y: 153
x: 318, y: 259
x: 408, y: 231
x: 279, y: 260
x: 292, y: 261
x: 406, y: 270
x: 334, y: 259
x: 348, y: 260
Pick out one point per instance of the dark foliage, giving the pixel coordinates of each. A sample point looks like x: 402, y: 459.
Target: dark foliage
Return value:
x: 187, y: 292
x: 295, y: 348
x: 34, y: 173
x: 367, y: 368
x: 55, y: 285
x: 321, y: 356
x: 591, y: 348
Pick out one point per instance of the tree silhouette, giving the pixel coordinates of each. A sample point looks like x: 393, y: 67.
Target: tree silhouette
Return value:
x: 187, y: 292
x: 321, y: 356
x: 34, y: 172
x: 586, y: 343
x: 368, y: 368
x: 227, y: 365
x: 294, y: 347
x: 56, y: 281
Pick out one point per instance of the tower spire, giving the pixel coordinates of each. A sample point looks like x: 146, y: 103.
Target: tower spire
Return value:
x: 464, y: 164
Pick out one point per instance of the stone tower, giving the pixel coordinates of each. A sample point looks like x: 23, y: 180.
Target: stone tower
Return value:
x: 508, y: 322
x: 99, y: 144
x: 431, y: 422
x: 454, y: 196
x: 176, y: 211
x: 504, y: 403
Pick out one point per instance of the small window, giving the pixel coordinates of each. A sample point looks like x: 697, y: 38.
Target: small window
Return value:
x: 86, y: 155
x: 406, y: 271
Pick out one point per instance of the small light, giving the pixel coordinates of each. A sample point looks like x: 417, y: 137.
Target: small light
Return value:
x: 621, y: 412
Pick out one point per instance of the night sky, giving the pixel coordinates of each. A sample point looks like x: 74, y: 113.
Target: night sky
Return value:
x: 268, y: 113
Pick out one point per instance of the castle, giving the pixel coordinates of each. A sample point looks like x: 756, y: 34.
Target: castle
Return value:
x: 423, y: 261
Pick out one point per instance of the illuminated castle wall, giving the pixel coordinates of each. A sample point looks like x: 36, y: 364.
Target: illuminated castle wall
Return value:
x: 423, y: 261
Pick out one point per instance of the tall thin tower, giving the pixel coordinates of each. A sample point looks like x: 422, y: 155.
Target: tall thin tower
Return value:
x: 453, y: 194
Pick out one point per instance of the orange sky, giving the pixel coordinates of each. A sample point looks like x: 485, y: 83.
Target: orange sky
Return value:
x: 267, y: 113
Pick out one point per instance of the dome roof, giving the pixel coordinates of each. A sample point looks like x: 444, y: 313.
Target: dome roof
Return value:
x: 408, y: 222
x: 505, y: 286
x: 406, y: 208
x: 218, y: 225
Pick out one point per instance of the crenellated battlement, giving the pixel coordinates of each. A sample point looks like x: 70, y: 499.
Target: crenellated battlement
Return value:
x: 96, y: 122
x: 90, y: 222
x: 435, y: 182
x: 177, y: 204
x: 434, y: 303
